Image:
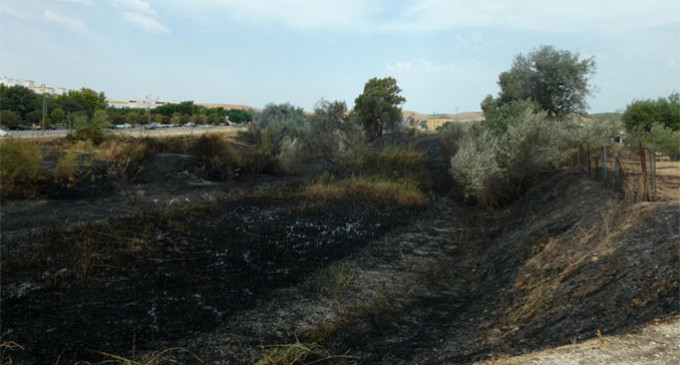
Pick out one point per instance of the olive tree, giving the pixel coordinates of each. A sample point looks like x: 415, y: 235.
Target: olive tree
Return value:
x: 643, y: 114
x: 379, y: 105
x: 333, y: 131
x: 557, y: 81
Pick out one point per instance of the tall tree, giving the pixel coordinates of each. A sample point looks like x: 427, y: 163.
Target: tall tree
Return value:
x: 9, y: 119
x: 58, y: 116
x: 132, y: 118
x: 555, y: 80
x: 85, y: 99
x: 378, y: 106
x: 19, y: 99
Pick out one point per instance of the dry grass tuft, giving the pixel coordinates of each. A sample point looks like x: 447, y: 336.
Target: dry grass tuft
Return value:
x: 166, y: 356
x: 298, y: 354
x: 397, y: 192
x: 216, y: 157
x: 6, y: 347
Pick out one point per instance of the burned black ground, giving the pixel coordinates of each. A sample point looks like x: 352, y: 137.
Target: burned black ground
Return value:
x: 224, y: 268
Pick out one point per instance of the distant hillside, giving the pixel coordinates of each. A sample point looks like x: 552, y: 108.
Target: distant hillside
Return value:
x: 461, y: 117
x: 229, y: 106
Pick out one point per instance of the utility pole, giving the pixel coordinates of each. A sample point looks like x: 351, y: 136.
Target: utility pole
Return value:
x: 44, y: 108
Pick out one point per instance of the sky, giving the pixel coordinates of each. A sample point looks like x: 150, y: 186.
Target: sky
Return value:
x: 446, y: 55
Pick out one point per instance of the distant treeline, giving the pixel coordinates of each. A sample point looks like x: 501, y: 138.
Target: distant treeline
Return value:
x: 21, y: 106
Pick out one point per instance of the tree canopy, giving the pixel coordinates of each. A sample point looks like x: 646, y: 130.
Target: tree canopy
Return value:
x: 557, y: 81
x: 85, y: 99
x: 643, y: 114
x: 281, y: 113
x: 378, y: 105
x: 18, y: 99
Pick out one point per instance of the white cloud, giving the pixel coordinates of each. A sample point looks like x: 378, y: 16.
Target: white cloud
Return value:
x: 140, y: 14
x: 425, y: 68
x: 84, y: 2
x: 69, y: 21
x: 23, y: 9
x: 146, y: 23
x: 557, y: 16
x: 296, y: 14
x: 373, y: 16
x: 134, y: 6
x: 37, y: 11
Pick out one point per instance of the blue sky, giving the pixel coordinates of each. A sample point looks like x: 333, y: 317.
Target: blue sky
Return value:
x: 445, y: 54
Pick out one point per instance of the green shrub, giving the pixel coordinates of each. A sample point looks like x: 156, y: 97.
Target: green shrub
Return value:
x: 19, y: 168
x: 660, y: 139
x: 333, y: 132
x: 595, y: 132
x: 290, y: 156
x: 477, y: 169
x: 451, y: 135
x: 496, y: 168
x: 277, y: 131
x: 665, y: 140
x: 91, y: 129
x: 67, y: 168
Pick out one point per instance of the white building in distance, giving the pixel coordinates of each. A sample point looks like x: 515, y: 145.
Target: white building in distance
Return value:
x: 133, y: 103
x: 136, y: 104
x: 30, y: 84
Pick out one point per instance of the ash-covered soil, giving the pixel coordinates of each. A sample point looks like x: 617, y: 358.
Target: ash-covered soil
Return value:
x: 227, y: 269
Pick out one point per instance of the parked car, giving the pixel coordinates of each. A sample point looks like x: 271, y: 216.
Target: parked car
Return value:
x: 22, y: 127
x: 4, y: 133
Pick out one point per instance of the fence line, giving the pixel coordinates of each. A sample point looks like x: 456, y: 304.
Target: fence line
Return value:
x: 632, y: 174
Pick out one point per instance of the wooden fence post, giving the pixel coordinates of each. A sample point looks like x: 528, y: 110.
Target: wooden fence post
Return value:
x: 588, y: 148
x: 645, y: 190
x: 604, y: 165
x: 616, y: 165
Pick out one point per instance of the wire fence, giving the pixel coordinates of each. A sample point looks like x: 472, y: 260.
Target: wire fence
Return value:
x: 630, y: 173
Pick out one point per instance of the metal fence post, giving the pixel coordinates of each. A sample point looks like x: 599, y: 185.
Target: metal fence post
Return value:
x: 652, y: 172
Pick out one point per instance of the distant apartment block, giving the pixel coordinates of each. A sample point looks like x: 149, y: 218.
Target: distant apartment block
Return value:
x: 31, y: 85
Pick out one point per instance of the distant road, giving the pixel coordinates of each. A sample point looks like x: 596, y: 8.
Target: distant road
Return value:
x: 136, y: 132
